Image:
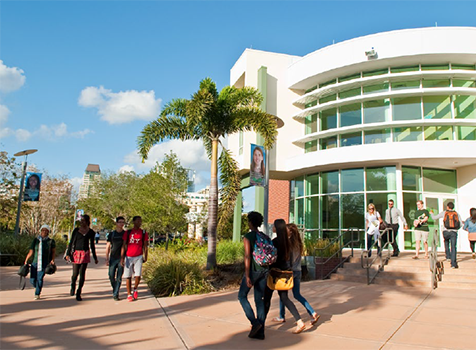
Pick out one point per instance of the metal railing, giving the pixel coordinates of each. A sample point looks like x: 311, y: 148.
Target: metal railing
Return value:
x: 436, y: 267
x: 366, y: 262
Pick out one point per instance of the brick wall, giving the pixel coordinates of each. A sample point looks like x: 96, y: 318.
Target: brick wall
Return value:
x: 278, y: 200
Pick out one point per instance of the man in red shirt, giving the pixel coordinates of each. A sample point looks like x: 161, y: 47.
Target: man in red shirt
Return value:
x: 134, y: 253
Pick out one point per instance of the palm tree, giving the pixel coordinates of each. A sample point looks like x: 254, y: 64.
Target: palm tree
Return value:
x: 210, y: 116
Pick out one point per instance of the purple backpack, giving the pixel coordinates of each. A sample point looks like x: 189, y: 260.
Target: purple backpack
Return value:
x: 264, y: 252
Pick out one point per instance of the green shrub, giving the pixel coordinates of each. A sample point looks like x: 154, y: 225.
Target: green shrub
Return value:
x: 320, y: 247
x: 229, y: 252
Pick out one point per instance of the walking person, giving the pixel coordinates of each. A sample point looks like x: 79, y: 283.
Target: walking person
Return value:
x: 255, y: 276
x: 114, y: 244
x: 43, y: 250
x: 470, y: 226
x: 421, y: 230
x: 297, y: 247
x: 133, y: 255
x: 79, y: 253
x: 372, y: 224
x: 452, y: 223
x: 283, y: 262
x: 97, y: 236
x: 391, y: 218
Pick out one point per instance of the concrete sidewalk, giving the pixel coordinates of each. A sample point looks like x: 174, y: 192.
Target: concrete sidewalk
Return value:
x: 353, y: 316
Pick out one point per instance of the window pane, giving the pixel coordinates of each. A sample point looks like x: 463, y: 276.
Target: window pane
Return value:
x: 311, y: 124
x: 406, y: 108
x: 435, y: 67
x: 330, y: 182
x: 438, y: 180
x: 381, y: 179
x: 377, y: 136
x: 353, y: 210
x: 464, y: 83
x: 409, y: 209
x: 373, y: 89
x: 375, y: 72
x: 431, y: 83
x: 310, y: 104
x: 349, y: 93
x: 403, y: 85
x: 291, y: 211
x: 312, y: 212
x: 465, y: 106
x: 328, y: 142
x: 404, y: 69
x: 299, y: 186
x: 380, y: 201
x: 351, y: 139
x: 328, y: 119
x: 311, y: 89
x: 438, y: 133
x: 330, y: 212
x: 312, y: 184
x: 352, y: 180
x: 330, y: 82
x: 437, y: 107
x: 350, y: 77
x: 292, y: 184
x: 299, y: 214
x: 327, y: 99
x: 466, y: 133
x: 407, y: 134
x: 463, y: 66
x: 350, y: 114
x: 376, y: 111
x: 411, y: 179
x: 310, y: 146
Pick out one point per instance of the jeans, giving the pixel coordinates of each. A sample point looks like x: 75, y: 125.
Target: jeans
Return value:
x: 258, y: 278
x: 115, y: 275
x: 450, y: 246
x: 297, y: 295
x: 370, y: 242
x: 36, y: 278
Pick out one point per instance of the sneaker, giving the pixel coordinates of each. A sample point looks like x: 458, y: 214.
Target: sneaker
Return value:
x: 116, y: 298
x: 474, y: 255
x: 130, y: 298
x: 37, y: 297
x: 254, y: 330
x: 135, y: 295
x: 78, y: 297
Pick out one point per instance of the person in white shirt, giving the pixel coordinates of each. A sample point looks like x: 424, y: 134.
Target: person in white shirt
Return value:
x: 391, y: 219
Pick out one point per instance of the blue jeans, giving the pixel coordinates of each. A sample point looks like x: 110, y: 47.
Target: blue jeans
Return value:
x: 370, y: 242
x: 297, y: 295
x: 36, y: 278
x: 115, y: 275
x: 450, y: 246
x: 258, y: 278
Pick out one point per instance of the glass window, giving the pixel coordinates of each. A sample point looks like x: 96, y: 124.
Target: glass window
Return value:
x: 435, y: 67
x: 327, y: 99
x: 310, y: 146
x: 464, y: 83
x: 352, y: 180
x: 381, y: 179
x: 349, y: 77
x: 375, y: 72
x: 328, y: 142
x: 433, y: 83
x: 351, y: 139
x: 406, y: 108
x: 299, y: 219
x: 311, y: 89
x: 403, y: 85
x: 350, y: 114
x: 465, y: 107
x: 312, y: 184
x: 438, y: 133
x: 463, y: 66
x: 466, y: 133
x: 328, y: 119
x: 353, y: 210
x: 411, y: 179
x: 330, y: 182
x: 376, y: 111
x: 380, y: 201
x: 330, y: 82
x: 291, y: 211
x: 404, y: 69
x: 438, y: 180
x: 299, y: 186
x: 312, y: 212
x: 292, y: 189
x: 311, y: 124
x: 330, y: 212
x: 437, y: 107
x: 409, y: 209
x: 310, y: 104
x: 349, y: 93
x: 407, y: 134
x: 377, y: 136
x: 373, y: 89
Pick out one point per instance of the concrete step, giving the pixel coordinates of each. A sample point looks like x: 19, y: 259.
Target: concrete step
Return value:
x: 349, y: 278
x: 457, y: 285
x: 450, y: 277
x: 401, y: 282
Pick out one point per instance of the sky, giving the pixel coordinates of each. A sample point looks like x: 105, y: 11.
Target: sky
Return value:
x: 80, y: 79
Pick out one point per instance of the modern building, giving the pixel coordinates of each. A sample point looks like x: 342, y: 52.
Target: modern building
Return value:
x: 91, y: 173
x: 196, y: 216
x: 384, y: 116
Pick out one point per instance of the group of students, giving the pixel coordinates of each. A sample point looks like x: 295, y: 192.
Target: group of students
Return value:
x: 126, y: 251
x: 289, y: 247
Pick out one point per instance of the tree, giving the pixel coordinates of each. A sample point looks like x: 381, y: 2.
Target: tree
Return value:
x: 173, y: 172
x: 210, y: 116
x: 10, y: 173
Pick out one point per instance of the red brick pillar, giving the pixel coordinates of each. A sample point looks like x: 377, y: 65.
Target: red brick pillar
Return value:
x: 278, y: 200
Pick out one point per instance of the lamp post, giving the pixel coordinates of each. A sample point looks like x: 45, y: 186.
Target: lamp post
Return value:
x: 20, y: 197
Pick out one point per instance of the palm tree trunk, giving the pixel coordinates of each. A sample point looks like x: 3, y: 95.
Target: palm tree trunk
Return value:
x: 213, y: 210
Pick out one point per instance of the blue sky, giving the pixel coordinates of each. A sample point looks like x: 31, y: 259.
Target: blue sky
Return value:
x: 79, y: 80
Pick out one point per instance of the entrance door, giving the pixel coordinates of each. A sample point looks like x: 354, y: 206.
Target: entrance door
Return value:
x: 437, y: 204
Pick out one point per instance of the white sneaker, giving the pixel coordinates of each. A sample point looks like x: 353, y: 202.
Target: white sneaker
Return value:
x: 37, y: 297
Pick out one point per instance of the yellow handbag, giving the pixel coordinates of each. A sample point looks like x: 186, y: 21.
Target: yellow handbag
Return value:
x: 280, y: 280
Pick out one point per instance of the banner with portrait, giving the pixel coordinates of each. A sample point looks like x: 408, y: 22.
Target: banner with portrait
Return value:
x: 257, y: 166
x: 32, y: 187
x: 79, y: 214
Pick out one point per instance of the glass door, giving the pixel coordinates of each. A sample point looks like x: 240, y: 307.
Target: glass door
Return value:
x: 437, y: 204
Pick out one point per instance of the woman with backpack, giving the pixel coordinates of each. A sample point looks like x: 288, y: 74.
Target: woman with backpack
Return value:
x: 79, y: 254
x: 297, y: 247
x: 43, y: 250
x: 470, y: 226
x: 283, y: 263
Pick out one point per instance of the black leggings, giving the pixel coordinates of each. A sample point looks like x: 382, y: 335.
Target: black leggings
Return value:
x: 471, y: 245
x: 283, y: 296
x: 78, y: 269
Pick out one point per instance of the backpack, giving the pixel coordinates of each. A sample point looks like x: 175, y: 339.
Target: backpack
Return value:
x: 451, y: 220
x: 264, y: 252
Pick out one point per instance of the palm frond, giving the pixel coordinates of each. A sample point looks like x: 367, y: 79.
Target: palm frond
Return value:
x: 231, y: 183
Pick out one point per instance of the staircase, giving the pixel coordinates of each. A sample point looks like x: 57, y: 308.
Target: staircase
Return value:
x: 462, y: 278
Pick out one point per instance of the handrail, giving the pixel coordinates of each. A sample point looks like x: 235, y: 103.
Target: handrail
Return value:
x: 338, y: 253
x: 436, y: 269
x: 383, y: 260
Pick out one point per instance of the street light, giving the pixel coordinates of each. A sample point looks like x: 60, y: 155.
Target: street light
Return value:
x: 20, y: 197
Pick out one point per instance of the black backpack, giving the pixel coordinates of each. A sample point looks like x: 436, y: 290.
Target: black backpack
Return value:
x: 23, y: 272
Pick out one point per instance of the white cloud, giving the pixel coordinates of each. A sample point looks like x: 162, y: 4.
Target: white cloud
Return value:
x: 126, y: 169
x: 11, y: 79
x: 53, y: 132
x: 121, y: 107
x: 22, y: 135
x: 4, y: 112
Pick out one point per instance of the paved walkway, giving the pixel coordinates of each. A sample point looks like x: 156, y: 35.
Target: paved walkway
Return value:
x: 353, y: 316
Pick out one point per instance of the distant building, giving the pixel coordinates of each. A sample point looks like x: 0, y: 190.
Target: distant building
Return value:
x: 92, y: 173
x: 197, y: 203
